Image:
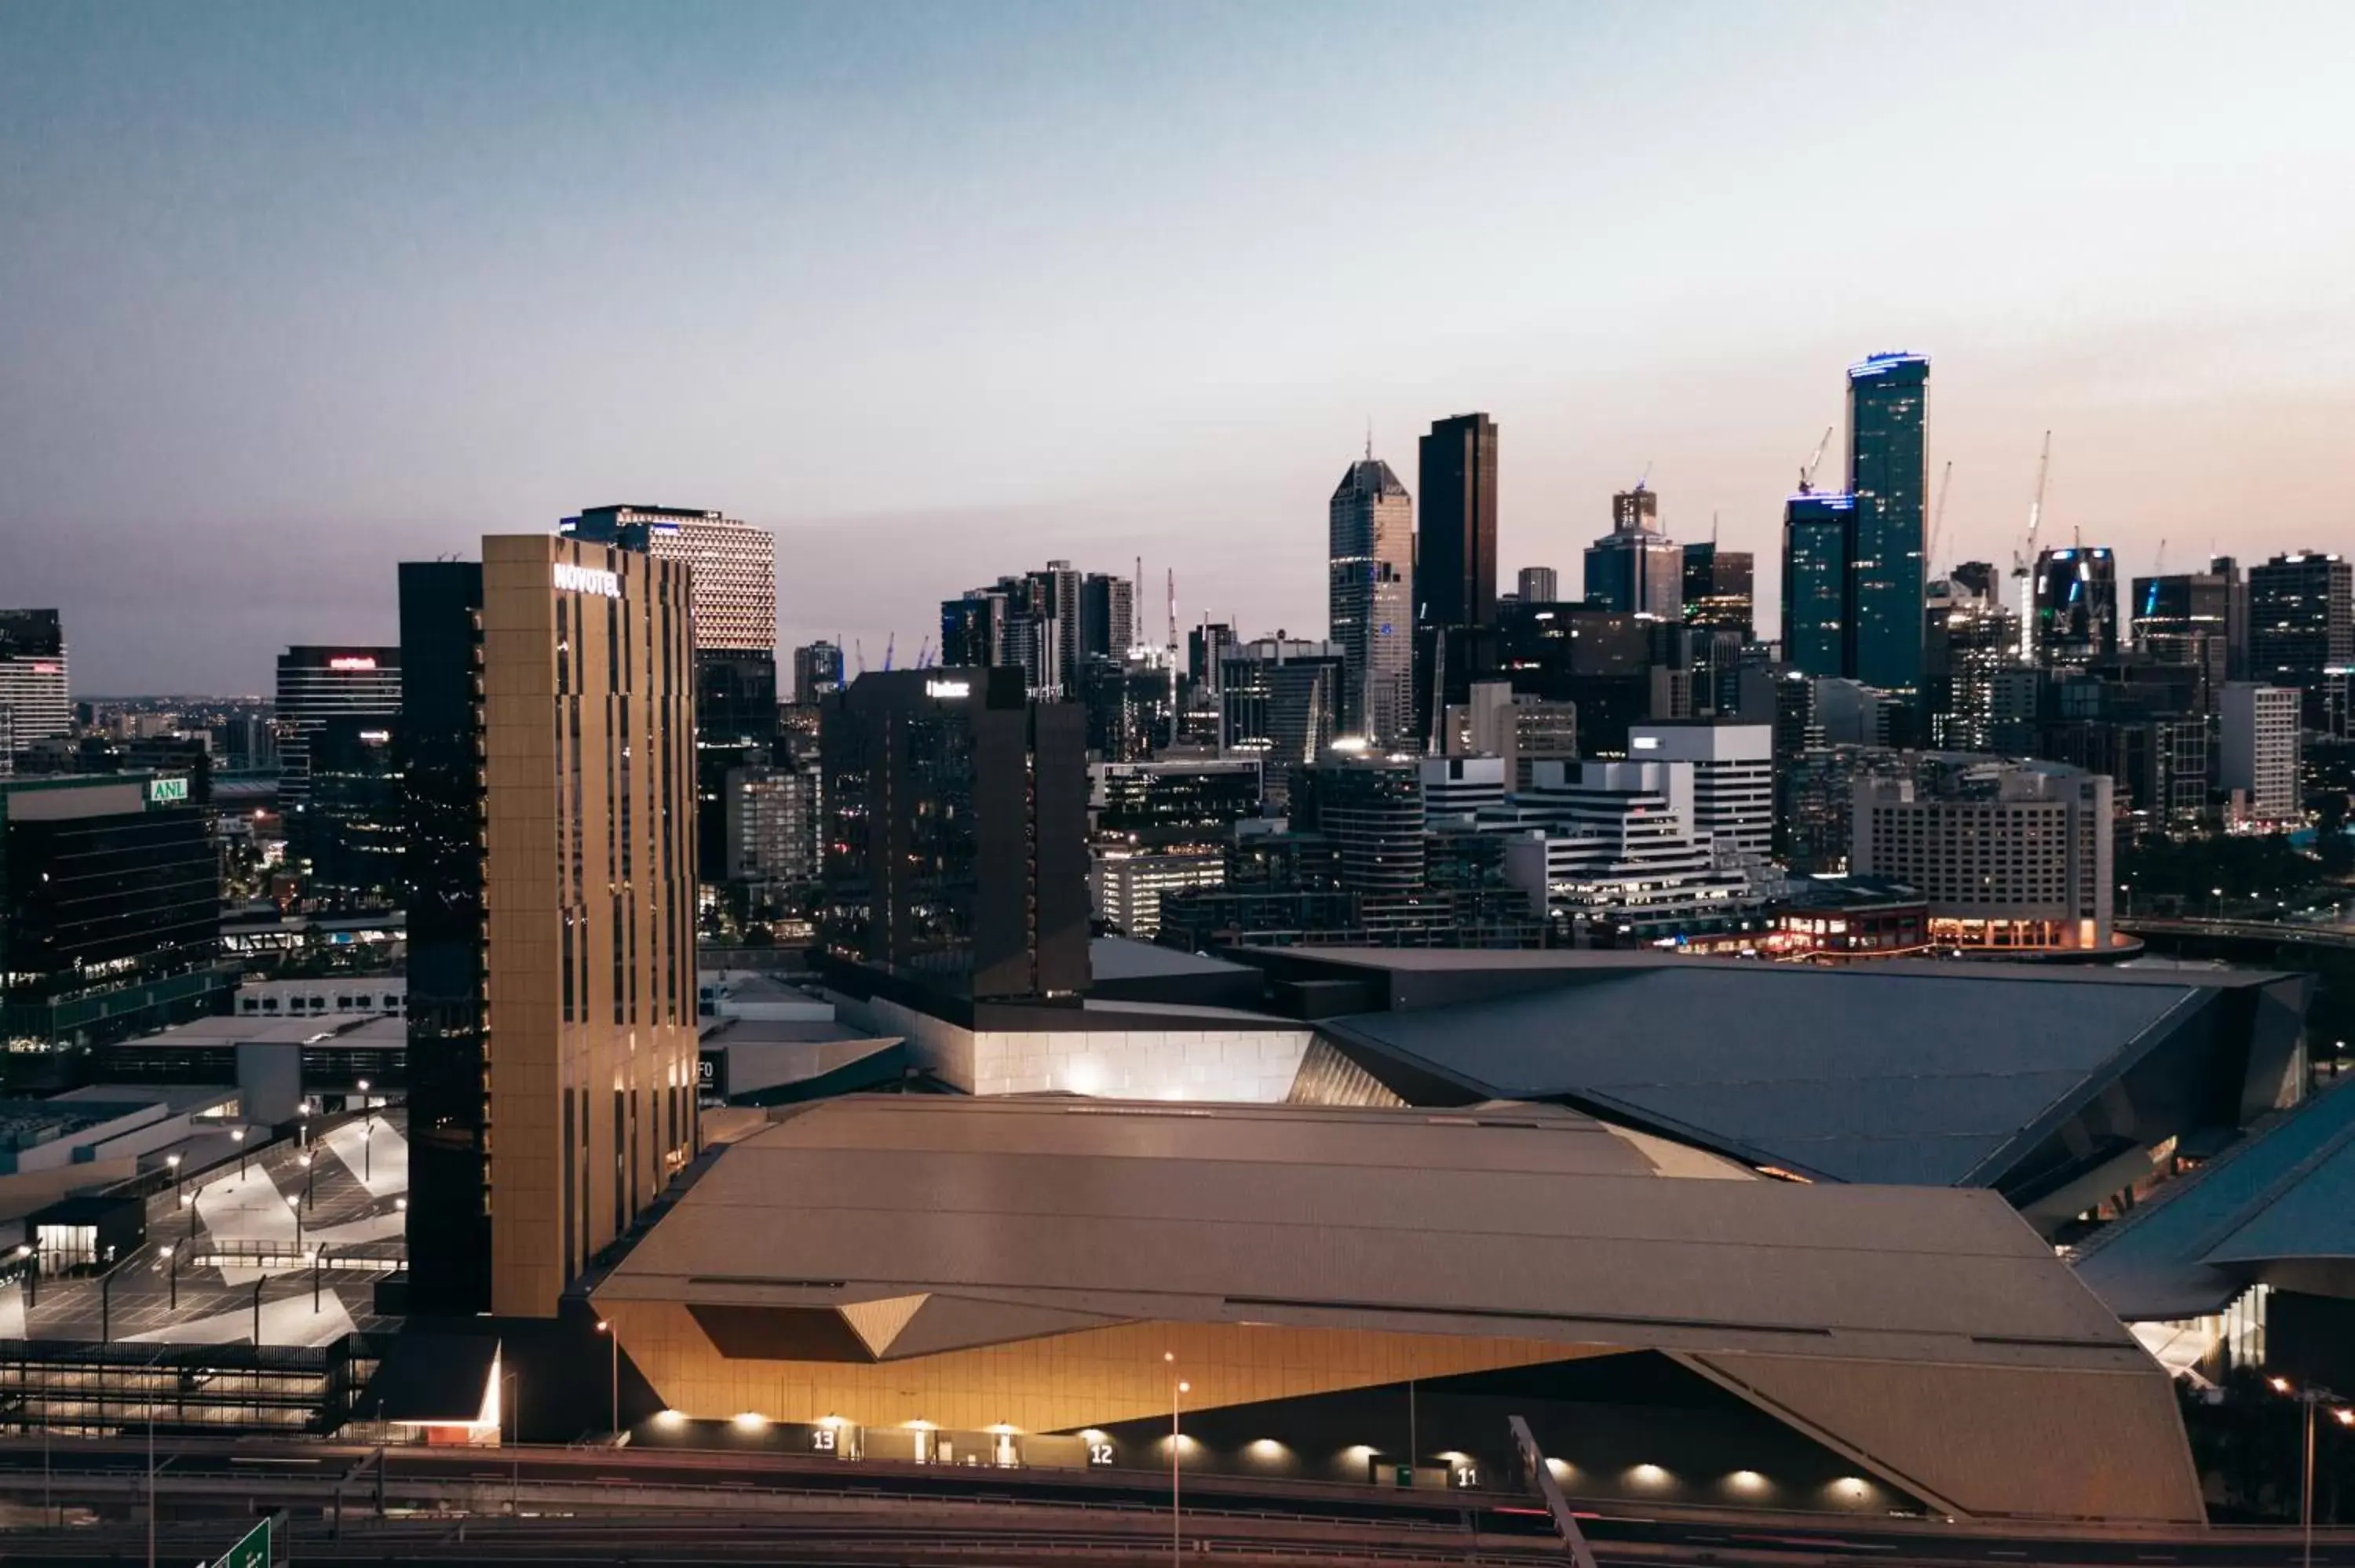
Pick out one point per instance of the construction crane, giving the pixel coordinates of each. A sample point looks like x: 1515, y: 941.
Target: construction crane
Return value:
x: 1937, y: 520
x: 925, y: 654
x: 890, y: 644
x: 2024, y: 558
x: 2158, y: 562
x: 1815, y: 460
x: 858, y: 647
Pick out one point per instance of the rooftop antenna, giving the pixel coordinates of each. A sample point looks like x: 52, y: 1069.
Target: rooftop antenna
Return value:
x: 1173, y: 656
x: 1369, y: 438
x: 1712, y: 528
x: 1136, y: 607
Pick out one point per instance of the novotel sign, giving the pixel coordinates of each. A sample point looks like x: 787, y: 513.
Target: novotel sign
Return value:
x: 571, y: 578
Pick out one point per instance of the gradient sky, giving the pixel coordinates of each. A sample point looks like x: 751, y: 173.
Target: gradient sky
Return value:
x: 291, y: 292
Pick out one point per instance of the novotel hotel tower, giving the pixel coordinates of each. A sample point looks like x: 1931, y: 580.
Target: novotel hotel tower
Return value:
x: 549, y: 775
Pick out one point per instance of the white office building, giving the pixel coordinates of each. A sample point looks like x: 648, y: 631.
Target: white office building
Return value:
x: 1127, y: 885
x: 2260, y: 758
x: 1455, y: 789
x: 1733, y: 781
x: 33, y: 677
x: 1613, y: 845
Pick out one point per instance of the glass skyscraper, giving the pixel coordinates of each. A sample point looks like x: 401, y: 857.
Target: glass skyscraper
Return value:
x: 1815, y: 529
x: 1888, y: 467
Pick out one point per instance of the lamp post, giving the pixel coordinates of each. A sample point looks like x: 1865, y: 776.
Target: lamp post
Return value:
x: 2218, y: 894
x: 294, y: 1205
x: 172, y: 1258
x: 2340, y: 1412
x: 1177, y: 1398
x: 367, y: 1108
x: 30, y: 1251
x: 613, y: 1378
x: 173, y: 1162
x: 238, y: 1134
x: 188, y: 1202
x: 515, y: 1420
x: 309, y: 1176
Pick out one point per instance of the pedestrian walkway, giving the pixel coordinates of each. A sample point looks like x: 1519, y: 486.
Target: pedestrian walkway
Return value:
x: 377, y: 1158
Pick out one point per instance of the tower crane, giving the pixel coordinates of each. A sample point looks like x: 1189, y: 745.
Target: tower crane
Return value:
x: 1937, y: 520
x: 890, y: 644
x: 2024, y: 558
x: 1815, y: 460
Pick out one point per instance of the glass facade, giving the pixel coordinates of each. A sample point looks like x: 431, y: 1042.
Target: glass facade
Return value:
x: 1888, y: 415
x: 1455, y: 553
x: 2076, y: 605
x: 1816, y: 534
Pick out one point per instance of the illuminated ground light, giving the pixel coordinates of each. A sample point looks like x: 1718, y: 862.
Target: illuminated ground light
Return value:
x: 1747, y: 1481
x: 1849, y: 1488
x: 1648, y: 1475
x: 1562, y: 1468
x: 1268, y: 1449
x: 750, y: 1421
x: 671, y: 1420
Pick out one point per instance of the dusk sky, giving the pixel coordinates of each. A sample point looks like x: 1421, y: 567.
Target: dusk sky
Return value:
x: 289, y: 293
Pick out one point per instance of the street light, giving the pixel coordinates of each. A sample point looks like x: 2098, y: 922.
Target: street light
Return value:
x: 2310, y: 1397
x: 1177, y: 1397
x: 294, y: 1205
x: 238, y: 1134
x: 308, y: 1175
x: 173, y: 1162
x: 2218, y: 893
x: 32, y: 1275
x: 613, y: 1379
x: 172, y: 1257
x: 188, y: 1202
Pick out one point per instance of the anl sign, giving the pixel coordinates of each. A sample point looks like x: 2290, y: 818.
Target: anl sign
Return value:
x: 166, y: 791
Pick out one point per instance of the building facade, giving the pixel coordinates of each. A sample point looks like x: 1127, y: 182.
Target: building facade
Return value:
x: 1636, y: 569
x: 1538, y: 585
x: 2008, y: 855
x: 1888, y: 475
x: 2187, y: 619
x: 734, y: 564
x: 1718, y: 589
x: 817, y: 670
x: 2299, y: 619
x: 1732, y: 784
x: 2259, y: 759
x: 571, y: 680
x: 2075, y: 591
x: 316, y: 685
x: 1456, y: 545
x: 1369, y: 575
x: 1817, y: 532
x: 33, y: 676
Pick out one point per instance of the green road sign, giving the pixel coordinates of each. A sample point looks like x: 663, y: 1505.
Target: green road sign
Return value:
x: 253, y: 1552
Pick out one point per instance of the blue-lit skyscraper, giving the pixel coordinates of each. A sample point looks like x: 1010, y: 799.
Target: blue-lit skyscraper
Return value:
x: 1816, y: 526
x: 1888, y: 471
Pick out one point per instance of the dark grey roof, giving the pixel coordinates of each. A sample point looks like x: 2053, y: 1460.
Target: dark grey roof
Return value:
x: 1854, y: 1075
x: 1120, y: 958
x: 2287, y: 1193
x: 1369, y: 476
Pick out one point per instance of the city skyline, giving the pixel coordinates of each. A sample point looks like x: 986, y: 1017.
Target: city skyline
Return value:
x: 266, y: 364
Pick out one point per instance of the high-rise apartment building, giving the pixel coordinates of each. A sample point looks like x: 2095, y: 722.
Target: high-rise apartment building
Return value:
x: 1718, y: 589
x: 1611, y: 846
x: 1732, y: 781
x: 774, y: 823
x: 1818, y: 527
x: 33, y: 675
x: 1970, y: 636
x: 1636, y: 568
x: 1369, y: 808
x: 1370, y: 568
x: 1538, y: 585
x: 1888, y: 474
x: 817, y: 670
x: 1107, y: 616
x: 956, y: 812
x: 1519, y: 730
x: 2076, y: 601
x: 2301, y: 618
x: 734, y: 562
x: 317, y: 686
x: 1280, y: 701
x: 2259, y: 759
x: 549, y: 775
x: 1455, y: 547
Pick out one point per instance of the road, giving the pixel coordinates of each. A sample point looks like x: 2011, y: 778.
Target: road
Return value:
x: 654, y: 1506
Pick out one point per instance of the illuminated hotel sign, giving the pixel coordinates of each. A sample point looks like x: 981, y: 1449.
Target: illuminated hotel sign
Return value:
x: 351, y: 662
x: 571, y: 578
x: 948, y: 688
x: 166, y: 791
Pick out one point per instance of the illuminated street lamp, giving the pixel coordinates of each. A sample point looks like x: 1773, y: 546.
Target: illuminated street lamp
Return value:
x: 2340, y: 1412
x: 309, y: 1175
x: 173, y: 1162
x: 294, y: 1205
x: 614, y: 1380
x: 238, y: 1134
x: 1177, y: 1398
x: 170, y: 1256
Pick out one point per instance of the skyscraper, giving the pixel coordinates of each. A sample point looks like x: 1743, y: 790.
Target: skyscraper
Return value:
x: 1370, y: 568
x: 2185, y: 617
x: 1888, y: 467
x: 956, y: 861
x: 1636, y: 568
x: 1816, y: 531
x: 1455, y: 551
x: 735, y: 566
x: 1718, y: 589
x: 316, y: 686
x: 567, y: 786
x: 33, y: 675
x: 2076, y: 605
x: 1539, y: 585
x: 817, y: 670
x: 1107, y: 616
x: 2299, y: 618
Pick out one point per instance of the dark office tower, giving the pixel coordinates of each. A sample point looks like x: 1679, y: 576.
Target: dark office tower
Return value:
x: 1977, y: 579
x: 33, y: 677
x: 735, y: 728
x: 443, y: 810
x: 2186, y: 619
x: 1055, y: 602
x: 2075, y: 603
x: 1281, y: 701
x: 1816, y: 526
x: 1636, y: 569
x: 1538, y: 585
x: 1372, y: 809
x: 315, y: 685
x: 2236, y: 616
x: 110, y: 910
x: 1369, y: 562
x: 2299, y: 622
x: 1717, y: 588
x: 1107, y: 616
x: 354, y: 815
x: 956, y: 861
x: 1969, y: 637
x: 548, y: 759
x: 973, y: 630
x: 1204, y: 645
x: 1455, y: 549
x: 1888, y: 471
x: 817, y: 670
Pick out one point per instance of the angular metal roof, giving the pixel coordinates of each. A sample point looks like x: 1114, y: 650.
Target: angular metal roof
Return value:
x: 1908, y: 1077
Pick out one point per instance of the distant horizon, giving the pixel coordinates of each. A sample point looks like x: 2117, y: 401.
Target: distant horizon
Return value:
x: 937, y: 292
